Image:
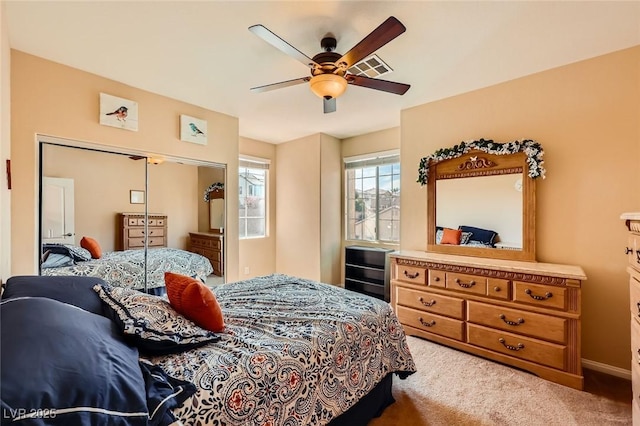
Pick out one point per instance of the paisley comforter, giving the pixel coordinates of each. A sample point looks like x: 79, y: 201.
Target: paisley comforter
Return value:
x: 294, y: 352
x: 126, y: 268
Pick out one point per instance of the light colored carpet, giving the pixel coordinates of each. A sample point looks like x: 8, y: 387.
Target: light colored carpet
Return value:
x: 455, y: 388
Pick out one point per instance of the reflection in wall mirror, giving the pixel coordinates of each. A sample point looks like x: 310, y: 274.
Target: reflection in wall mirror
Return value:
x: 482, y: 204
x: 137, y: 242
x: 216, y: 211
x: 463, y: 202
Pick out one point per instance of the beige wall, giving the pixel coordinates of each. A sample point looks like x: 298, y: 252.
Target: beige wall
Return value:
x: 259, y: 254
x: 102, y: 182
x: 56, y: 100
x: 330, y: 209
x: 585, y: 115
x: 298, y: 212
x: 5, y: 146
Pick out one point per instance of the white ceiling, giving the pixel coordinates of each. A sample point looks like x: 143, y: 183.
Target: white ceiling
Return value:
x: 203, y: 54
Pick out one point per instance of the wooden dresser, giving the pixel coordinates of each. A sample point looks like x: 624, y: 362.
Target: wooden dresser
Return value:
x: 209, y: 246
x: 632, y: 220
x: 131, y: 230
x: 524, y: 314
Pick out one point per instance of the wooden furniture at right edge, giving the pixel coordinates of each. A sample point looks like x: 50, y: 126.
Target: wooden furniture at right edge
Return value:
x: 210, y: 246
x: 524, y: 314
x: 632, y: 221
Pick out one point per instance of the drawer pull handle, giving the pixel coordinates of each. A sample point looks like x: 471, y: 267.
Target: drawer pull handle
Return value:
x: 436, y: 279
x: 638, y: 356
x: 511, y: 347
x: 506, y: 321
x: 496, y: 289
x: 638, y: 255
x: 411, y: 276
x: 546, y: 296
x: 628, y: 250
x: 427, y: 324
x: 464, y: 285
x: 638, y: 305
x: 430, y: 303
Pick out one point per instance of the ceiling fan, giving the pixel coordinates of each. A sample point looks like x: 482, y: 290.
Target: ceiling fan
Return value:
x: 329, y: 70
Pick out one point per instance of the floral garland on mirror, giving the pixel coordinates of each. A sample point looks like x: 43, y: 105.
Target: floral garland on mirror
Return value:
x: 530, y: 147
x: 218, y: 186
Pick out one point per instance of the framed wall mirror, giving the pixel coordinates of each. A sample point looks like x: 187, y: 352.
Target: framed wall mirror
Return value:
x: 86, y: 195
x: 482, y: 205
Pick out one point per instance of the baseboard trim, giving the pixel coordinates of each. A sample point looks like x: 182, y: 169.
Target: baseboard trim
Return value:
x: 606, y: 368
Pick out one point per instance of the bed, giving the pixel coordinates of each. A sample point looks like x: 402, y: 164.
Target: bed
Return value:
x: 125, y: 268
x: 292, y: 352
x: 468, y: 236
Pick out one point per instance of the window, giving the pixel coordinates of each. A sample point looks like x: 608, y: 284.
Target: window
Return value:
x: 373, y: 197
x: 252, y: 177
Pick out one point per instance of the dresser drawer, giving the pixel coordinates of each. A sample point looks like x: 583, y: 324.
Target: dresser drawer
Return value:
x: 467, y: 283
x: 526, y: 348
x: 540, y: 295
x: 152, y: 242
x: 635, y: 342
x: 545, y: 327
x: 210, y: 243
x: 411, y: 274
x: 633, y: 251
x: 634, y: 292
x: 431, y: 323
x: 499, y: 288
x: 139, y: 232
x: 437, y: 278
x: 430, y: 302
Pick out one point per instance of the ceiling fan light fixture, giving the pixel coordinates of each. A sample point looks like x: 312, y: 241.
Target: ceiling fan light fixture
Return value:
x: 328, y: 86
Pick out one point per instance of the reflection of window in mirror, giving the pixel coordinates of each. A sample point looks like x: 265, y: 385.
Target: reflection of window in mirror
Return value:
x: 487, y: 202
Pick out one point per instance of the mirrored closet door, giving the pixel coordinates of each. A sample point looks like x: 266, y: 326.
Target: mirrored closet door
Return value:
x: 128, y: 217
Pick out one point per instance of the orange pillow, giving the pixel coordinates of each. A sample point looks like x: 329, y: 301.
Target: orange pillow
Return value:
x: 91, y: 245
x: 194, y: 300
x: 451, y: 236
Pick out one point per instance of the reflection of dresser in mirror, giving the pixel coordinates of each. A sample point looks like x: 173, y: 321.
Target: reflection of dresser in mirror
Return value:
x: 131, y: 230
x: 210, y: 246
x: 491, y: 300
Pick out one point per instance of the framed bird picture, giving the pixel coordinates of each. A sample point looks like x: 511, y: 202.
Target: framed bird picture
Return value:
x: 118, y: 112
x: 193, y: 130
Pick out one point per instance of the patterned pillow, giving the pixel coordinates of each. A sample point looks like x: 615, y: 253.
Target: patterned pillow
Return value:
x: 464, y: 237
x: 151, y: 323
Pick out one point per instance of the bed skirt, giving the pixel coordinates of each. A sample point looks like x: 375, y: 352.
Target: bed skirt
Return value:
x: 370, y: 406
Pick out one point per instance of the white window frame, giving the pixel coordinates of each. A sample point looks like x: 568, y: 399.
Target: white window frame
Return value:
x: 368, y: 160
x: 255, y: 163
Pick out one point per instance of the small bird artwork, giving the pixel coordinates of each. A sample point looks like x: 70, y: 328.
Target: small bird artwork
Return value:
x: 195, y: 131
x: 121, y: 113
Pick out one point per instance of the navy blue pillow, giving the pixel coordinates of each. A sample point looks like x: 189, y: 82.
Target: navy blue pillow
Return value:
x: 61, y: 365
x: 77, y: 291
x: 164, y: 393
x: 483, y: 235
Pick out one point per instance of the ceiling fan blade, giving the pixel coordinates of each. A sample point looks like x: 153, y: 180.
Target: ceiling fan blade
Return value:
x: 329, y: 105
x: 280, y: 85
x: 377, y: 84
x: 277, y: 42
x: 387, y: 31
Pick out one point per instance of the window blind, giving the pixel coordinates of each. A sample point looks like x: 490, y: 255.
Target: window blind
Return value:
x: 370, y: 160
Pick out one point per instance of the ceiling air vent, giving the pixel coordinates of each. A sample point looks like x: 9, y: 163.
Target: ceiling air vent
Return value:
x: 372, y: 67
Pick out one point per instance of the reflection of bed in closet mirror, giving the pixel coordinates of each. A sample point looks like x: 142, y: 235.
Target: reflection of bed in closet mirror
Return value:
x: 58, y: 210
x: 216, y: 210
